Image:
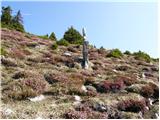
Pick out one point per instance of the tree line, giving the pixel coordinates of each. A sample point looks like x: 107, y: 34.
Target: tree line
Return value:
x: 71, y: 36
x: 12, y: 22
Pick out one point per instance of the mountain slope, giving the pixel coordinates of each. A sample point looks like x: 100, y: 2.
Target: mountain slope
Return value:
x: 110, y: 88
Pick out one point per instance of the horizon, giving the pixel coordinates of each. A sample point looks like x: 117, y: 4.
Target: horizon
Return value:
x: 126, y: 26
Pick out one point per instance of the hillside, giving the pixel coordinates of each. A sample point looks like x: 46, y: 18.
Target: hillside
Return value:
x: 122, y: 87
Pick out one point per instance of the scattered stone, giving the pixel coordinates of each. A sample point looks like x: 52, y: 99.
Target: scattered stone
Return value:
x: 84, y: 88
x: 7, y: 111
x: 37, y: 98
x: 67, y: 54
x: 91, y: 88
x: 77, y: 98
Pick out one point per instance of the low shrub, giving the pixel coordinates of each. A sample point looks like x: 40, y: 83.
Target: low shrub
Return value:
x: 63, y: 42
x: 116, y: 53
x: 155, y: 89
x: 54, y: 46
x: 110, y: 86
x: 37, y: 84
x: 72, y: 49
x: 8, y: 62
x: 43, y: 36
x: 147, y: 91
x: 20, y: 74
x: 17, y: 53
x: 132, y: 105
x: 3, y: 51
x: 142, y: 56
x: 89, y: 114
x: 127, y: 80
x: 55, y: 77
x: 127, y: 52
x: 17, y: 90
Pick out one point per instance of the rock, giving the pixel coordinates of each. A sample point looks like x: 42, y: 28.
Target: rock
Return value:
x: 7, y: 111
x: 37, y: 98
x: 77, y: 98
x: 67, y: 54
x: 91, y: 88
x: 83, y: 88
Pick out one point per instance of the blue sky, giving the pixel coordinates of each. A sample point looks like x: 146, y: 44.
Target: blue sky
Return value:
x: 129, y: 26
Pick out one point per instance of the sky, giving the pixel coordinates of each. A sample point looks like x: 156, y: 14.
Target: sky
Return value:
x: 129, y: 26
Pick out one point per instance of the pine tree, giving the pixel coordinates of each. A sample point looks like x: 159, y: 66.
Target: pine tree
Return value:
x: 6, y: 17
x: 73, y: 36
x: 17, y: 22
x: 53, y: 36
x: 18, y: 18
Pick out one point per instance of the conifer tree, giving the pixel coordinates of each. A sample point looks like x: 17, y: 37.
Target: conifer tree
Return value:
x: 73, y: 36
x: 6, y: 16
x: 53, y: 36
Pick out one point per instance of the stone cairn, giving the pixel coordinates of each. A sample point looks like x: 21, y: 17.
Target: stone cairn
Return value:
x: 85, y: 51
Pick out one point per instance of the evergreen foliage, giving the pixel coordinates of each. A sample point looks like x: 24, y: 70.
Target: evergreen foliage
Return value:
x: 73, y: 36
x: 11, y: 22
x: 127, y: 52
x: 54, y: 46
x: 53, y: 36
x: 63, y: 42
x: 142, y: 56
x: 115, y: 53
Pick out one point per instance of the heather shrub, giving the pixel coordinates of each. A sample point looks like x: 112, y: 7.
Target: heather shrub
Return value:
x: 18, y: 90
x: 55, y: 77
x: 20, y: 74
x: 155, y: 89
x: 31, y: 44
x: 37, y: 84
x: 147, y: 91
x: 110, y: 86
x: 127, y: 81
x: 132, y: 105
x: 142, y: 56
x: 17, y: 53
x: 8, y: 62
x: 115, y: 53
x: 54, y: 46
x: 72, y: 49
x: 72, y: 114
x: 63, y: 42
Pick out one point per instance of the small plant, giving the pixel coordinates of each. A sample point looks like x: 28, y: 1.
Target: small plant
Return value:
x: 110, y: 86
x: 155, y: 89
x: 3, y: 51
x: 147, y: 91
x: 132, y: 105
x: 115, y: 53
x: 142, y: 56
x: 43, y: 36
x: 63, y: 42
x: 17, y: 90
x: 54, y: 46
x: 17, y: 53
x: 127, y: 52
x: 38, y: 85
x: 53, y: 36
